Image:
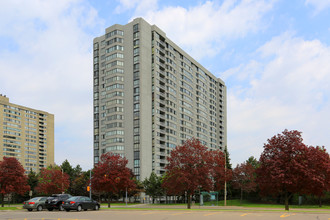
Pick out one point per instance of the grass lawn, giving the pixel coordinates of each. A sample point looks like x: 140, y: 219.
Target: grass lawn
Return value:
x: 119, y: 204
x: 249, y: 204
x: 10, y: 208
x: 236, y: 202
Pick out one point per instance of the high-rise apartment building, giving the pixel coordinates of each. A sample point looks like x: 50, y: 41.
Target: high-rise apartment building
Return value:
x: 26, y: 134
x: 150, y: 96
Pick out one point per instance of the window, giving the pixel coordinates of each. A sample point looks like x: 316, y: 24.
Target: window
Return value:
x: 136, y: 43
x: 136, y: 75
x: 136, y: 163
x: 136, y: 35
x: 136, y: 82
x: 136, y: 98
x: 136, y: 155
x: 136, y: 90
x: 135, y: 27
x: 116, y: 47
x: 114, y: 86
x: 136, y: 51
x: 136, y: 106
x: 115, y: 32
x: 136, y: 59
x: 136, y: 66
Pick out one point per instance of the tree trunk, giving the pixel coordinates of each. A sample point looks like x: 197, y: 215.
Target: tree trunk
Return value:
x: 320, y: 202
x: 189, y: 201
x: 109, y: 198
x: 240, y: 202
x: 2, y: 200
x: 286, y: 201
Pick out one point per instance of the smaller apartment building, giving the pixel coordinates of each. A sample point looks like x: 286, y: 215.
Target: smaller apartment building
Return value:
x: 26, y: 134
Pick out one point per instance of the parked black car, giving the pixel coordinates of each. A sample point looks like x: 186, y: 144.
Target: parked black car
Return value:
x: 80, y: 203
x: 37, y: 203
x: 55, y: 201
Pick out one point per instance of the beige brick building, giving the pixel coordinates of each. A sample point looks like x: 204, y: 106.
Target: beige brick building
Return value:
x: 150, y: 96
x: 26, y: 134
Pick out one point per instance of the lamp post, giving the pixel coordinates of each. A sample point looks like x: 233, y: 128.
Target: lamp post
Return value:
x: 90, y: 184
x: 225, y: 190
x: 62, y: 181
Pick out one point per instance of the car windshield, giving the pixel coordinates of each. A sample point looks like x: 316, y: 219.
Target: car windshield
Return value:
x: 34, y: 199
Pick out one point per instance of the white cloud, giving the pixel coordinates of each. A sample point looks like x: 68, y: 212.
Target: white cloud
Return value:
x: 289, y: 89
x: 319, y: 5
x: 203, y: 29
x: 50, y: 67
x: 138, y: 5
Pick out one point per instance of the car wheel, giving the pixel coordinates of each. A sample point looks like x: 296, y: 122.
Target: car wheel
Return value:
x: 85, y: 209
x: 29, y: 210
x: 50, y: 209
x: 68, y: 210
x: 79, y: 208
x: 39, y: 208
x: 96, y: 207
x: 60, y: 207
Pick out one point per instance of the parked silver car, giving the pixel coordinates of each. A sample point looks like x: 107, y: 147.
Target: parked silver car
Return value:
x: 37, y: 203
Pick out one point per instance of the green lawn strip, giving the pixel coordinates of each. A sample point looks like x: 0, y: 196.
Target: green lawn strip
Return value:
x: 260, y: 205
x: 246, y: 204
x: 120, y: 204
x: 10, y: 208
x: 218, y: 210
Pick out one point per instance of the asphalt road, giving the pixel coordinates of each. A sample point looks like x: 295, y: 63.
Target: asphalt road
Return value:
x: 161, y: 215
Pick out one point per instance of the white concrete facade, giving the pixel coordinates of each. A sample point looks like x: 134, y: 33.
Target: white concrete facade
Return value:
x: 150, y: 96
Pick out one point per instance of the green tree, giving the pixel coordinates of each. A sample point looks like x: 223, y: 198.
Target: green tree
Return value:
x: 74, y: 173
x: 153, y: 186
x: 80, y: 183
x: 32, y: 180
x: 228, y: 164
x: 253, y: 161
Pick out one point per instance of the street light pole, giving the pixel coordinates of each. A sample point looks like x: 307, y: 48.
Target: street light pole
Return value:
x: 90, y: 184
x: 225, y: 191
x: 62, y: 182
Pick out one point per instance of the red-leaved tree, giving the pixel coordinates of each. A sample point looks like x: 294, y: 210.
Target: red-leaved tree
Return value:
x: 244, y: 178
x: 52, y: 181
x: 283, y: 165
x: 111, y: 176
x: 318, y: 172
x: 220, y: 174
x: 188, y: 170
x: 12, y: 178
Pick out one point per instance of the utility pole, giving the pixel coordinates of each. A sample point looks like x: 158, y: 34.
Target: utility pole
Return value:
x: 62, y: 181
x: 90, y: 184
x: 225, y: 190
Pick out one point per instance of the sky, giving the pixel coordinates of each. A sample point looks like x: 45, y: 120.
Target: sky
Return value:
x: 274, y: 56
